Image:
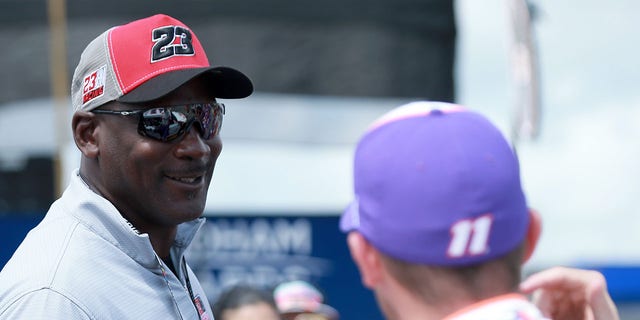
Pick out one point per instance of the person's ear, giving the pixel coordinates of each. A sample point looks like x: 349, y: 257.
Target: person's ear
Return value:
x: 533, y: 234
x: 367, y: 259
x: 85, y: 128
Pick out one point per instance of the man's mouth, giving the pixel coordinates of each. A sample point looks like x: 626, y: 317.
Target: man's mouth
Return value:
x: 190, y: 180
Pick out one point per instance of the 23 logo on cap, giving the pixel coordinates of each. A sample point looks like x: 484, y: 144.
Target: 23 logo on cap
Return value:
x: 93, y: 85
x: 171, y: 41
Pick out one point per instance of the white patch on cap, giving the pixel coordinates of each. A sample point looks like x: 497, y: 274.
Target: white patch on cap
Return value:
x: 414, y: 109
x: 93, y: 85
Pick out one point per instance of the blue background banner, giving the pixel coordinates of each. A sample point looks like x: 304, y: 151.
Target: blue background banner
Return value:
x: 13, y: 228
x: 267, y: 250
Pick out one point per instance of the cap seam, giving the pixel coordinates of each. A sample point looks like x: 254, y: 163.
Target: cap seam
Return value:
x: 114, y: 65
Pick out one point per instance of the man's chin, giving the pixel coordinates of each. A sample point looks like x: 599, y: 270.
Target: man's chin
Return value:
x: 187, y: 212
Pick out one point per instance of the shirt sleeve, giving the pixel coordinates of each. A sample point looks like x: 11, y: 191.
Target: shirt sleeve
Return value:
x: 44, y: 304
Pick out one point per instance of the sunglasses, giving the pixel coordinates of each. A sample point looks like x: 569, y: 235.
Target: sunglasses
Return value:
x: 169, y: 123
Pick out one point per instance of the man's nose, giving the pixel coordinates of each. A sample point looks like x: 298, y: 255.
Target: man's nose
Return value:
x: 192, y: 145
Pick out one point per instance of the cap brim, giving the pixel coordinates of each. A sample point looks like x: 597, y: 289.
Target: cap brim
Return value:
x: 350, y: 219
x: 225, y: 82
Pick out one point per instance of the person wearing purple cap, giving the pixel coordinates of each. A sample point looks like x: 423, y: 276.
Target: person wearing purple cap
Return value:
x: 147, y: 124
x: 439, y: 226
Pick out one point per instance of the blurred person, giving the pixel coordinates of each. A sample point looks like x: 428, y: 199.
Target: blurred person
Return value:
x: 299, y: 300
x: 439, y: 226
x: 147, y: 124
x: 245, y: 302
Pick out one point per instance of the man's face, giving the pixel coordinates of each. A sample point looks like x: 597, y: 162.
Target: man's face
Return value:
x: 156, y: 184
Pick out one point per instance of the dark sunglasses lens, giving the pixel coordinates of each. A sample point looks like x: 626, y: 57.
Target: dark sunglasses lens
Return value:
x: 163, y: 124
x: 166, y: 124
x: 209, y: 117
x: 204, y: 116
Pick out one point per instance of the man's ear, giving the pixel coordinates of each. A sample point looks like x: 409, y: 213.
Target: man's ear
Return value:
x: 85, y: 129
x: 367, y: 258
x: 533, y: 234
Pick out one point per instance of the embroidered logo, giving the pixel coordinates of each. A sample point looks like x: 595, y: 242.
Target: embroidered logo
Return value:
x: 93, y: 85
x: 133, y: 228
x: 201, y: 311
x: 171, y: 41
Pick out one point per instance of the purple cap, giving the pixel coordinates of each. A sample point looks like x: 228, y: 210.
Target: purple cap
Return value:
x: 437, y: 184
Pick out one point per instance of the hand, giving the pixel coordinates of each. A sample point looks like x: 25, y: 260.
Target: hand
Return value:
x: 571, y: 294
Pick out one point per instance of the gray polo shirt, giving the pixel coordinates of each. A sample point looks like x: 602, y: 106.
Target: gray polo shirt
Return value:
x: 85, y: 261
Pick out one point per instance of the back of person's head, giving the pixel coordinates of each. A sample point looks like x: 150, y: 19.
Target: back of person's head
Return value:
x: 245, y: 302
x: 438, y: 195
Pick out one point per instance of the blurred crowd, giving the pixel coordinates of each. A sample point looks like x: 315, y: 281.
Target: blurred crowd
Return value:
x: 291, y: 300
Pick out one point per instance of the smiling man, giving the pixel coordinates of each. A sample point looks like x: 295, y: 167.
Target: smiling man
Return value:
x: 147, y: 123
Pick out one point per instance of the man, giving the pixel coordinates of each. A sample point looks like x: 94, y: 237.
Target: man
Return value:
x: 439, y: 226
x: 147, y: 124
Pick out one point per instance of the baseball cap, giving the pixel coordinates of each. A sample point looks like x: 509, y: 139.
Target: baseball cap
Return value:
x: 437, y: 184
x: 299, y: 297
x: 145, y: 60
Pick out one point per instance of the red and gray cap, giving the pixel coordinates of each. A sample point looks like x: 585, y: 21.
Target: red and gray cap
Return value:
x: 145, y: 60
x: 436, y: 184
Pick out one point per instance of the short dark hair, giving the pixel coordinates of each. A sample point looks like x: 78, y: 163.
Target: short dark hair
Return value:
x: 241, y: 295
x: 479, y: 281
